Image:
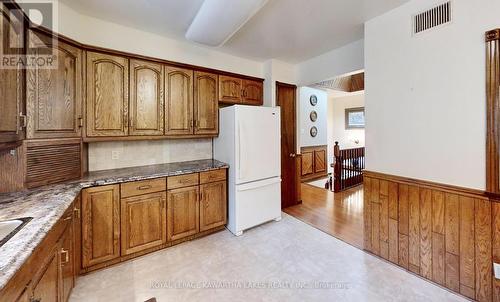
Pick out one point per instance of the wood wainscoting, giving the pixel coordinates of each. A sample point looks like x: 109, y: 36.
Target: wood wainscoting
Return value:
x: 449, y: 235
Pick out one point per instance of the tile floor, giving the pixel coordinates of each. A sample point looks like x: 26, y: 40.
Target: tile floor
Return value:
x: 277, y: 254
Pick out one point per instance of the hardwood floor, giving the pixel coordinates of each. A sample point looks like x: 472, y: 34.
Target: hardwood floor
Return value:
x: 339, y: 214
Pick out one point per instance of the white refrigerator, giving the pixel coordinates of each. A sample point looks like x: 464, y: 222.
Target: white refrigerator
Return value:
x: 250, y: 142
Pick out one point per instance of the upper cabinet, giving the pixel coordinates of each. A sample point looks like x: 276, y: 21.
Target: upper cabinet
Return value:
x: 107, y: 95
x: 179, y: 101
x: 54, y: 95
x: 233, y: 90
x: 206, y: 105
x: 146, y: 98
x: 12, y: 111
x: 230, y: 89
x: 253, y: 92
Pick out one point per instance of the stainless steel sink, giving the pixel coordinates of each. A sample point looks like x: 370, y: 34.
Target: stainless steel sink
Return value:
x: 9, y: 228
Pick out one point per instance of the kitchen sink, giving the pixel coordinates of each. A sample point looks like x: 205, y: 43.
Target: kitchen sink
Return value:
x: 9, y: 228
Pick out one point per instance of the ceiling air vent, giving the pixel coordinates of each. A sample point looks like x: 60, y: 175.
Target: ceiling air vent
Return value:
x: 431, y: 18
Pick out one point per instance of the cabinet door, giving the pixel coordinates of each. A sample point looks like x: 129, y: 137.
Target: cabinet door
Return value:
x: 230, y: 89
x: 54, y: 96
x: 46, y: 285
x: 319, y: 161
x: 146, y: 98
x: 179, y: 101
x: 253, y: 92
x: 183, y: 212
x: 307, y: 163
x: 11, y: 79
x: 213, y: 205
x: 206, y: 106
x: 100, y: 224
x: 67, y: 279
x: 107, y: 95
x: 143, y: 222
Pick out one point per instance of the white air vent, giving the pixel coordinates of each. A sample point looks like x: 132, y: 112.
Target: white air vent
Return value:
x: 431, y: 18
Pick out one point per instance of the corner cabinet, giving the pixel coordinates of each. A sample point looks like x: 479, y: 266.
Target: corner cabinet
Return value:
x: 54, y: 96
x: 206, y: 106
x: 107, y: 95
x: 100, y: 224
x: 234, y: 90
x: 179, y: 101
x: 146, y: 98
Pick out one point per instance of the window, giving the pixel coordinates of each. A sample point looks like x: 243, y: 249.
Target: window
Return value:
x: 355, y: 118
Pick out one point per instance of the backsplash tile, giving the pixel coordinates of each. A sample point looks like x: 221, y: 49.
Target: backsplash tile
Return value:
x: 140, y: 153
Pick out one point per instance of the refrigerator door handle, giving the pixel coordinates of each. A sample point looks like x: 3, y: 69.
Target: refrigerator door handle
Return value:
x: 258, y: 184
x: 239, y: 151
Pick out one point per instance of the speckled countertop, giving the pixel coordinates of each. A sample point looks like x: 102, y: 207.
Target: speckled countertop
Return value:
x: 47, y: 204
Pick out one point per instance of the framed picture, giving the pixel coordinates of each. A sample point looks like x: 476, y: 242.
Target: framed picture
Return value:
x: 313, y: 116
x: 313, y: 99
x: 355, y: 118
x: 313, y: 131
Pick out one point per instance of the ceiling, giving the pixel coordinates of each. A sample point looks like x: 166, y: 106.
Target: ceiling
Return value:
x: 288, y: 30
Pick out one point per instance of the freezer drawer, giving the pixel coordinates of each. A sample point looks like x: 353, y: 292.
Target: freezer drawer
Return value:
x: 256, y: 203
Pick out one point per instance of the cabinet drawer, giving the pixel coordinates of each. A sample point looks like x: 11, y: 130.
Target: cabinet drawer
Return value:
x: 142, y: 187
x: 212, y: 176
x: 181, y: 181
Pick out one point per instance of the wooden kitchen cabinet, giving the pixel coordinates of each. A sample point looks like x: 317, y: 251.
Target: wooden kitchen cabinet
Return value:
x: 230, y: 89
x: 67, y: 265
x: 12, y: 113
x: 54, y: 96
x: 307, y: 162
x: 143, y: 222
x: 320, y: 160
x: 183, y: 212
x: 107, y: 95
x: 146, y: 98
x: 46, y: 285
x: 213, y: 205
x: 206, y: 105
x: 253, y: 93
x: 178, y: 101
x: 100, y: 224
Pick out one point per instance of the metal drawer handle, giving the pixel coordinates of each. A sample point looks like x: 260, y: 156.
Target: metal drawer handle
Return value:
x: 66, y: 255
x: 69, y: 217
x: 145, y: 187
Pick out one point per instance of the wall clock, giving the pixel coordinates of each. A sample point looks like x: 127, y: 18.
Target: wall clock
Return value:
x: 313, y: 131
x: 313, y: 100
x: 313, y: 116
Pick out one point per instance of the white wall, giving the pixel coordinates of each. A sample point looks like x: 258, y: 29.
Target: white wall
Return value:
x: 336, y: 123
x: 139, y: 153
x: 305, y: 123
x: 336, y: 62
x: 425, y: 95
x: 275, y: 70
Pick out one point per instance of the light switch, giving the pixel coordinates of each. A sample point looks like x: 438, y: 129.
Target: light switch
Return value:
x: 496, y: 269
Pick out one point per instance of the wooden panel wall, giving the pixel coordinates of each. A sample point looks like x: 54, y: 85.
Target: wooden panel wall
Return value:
x: 444, y: 234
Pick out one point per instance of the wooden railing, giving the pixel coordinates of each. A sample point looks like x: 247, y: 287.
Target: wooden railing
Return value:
x: 348, y: 167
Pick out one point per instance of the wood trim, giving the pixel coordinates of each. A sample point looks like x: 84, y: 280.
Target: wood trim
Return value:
x: 493, y: 111
x: 130, y: 55
x: 445, y: 234
x: 428, y: 184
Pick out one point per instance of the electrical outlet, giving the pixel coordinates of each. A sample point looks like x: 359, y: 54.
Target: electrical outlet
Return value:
x: 496, y: 269
x: 115, y: 154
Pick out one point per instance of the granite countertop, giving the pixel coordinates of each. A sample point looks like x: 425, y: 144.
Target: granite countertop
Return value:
x: 47, y: 204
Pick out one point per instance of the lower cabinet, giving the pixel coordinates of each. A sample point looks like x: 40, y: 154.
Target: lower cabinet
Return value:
x: 67, y: 265
x: 314, y: 162
x: 213, y: 205
x: 143, y: 222
x: 100, y: 224
x: 46, y: 286
x: 183, y: 212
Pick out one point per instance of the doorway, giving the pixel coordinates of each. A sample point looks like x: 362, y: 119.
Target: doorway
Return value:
x: 286, y: 100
